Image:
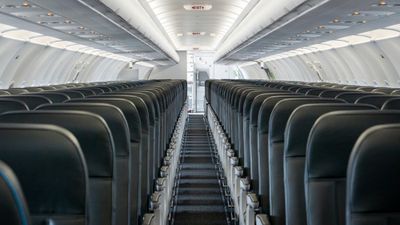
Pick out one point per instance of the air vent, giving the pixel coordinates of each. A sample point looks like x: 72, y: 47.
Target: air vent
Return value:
x: 197, y: 7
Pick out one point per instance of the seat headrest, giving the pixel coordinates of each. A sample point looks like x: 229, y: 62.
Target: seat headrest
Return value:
x: 249, y: 100
x: 140, y: 106
x: 146, y: 99
x: 282, y: 110
x: 127, y: 107
x: 91, y: 130
x: 333, y: 136
x: 392, y: 103
x: 373, y: 175
x: 7, y: 105
x: 113, y: 116
x: 257, y: 102
x: 32, y: 101
x: 352, y: 97
x: 54, y: 97
x: 266, y: 110
x: 376, y: 100
x: 329, y: 93
x: 302, y: 119
x: 71, y: 94
x: 13, y: 207
x: 50, y: 167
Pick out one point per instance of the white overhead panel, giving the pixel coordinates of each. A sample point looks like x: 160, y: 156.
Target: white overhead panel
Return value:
x: 84, y: 22
x: 198, y: 25
x: 314, y: 22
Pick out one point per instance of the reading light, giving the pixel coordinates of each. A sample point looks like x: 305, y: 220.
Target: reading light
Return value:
x: 179, y: 34
x: 356, y: 13
x: 335, y: 21
x: 50, y: 14
x: 382, y: 3
x: 26, y: 4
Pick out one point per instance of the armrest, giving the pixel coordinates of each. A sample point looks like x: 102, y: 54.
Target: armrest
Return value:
x: 230, y: 153
x: 245, y: 184
x: 262, y: 219
x: 155, y: 200
x: 167, y: 160
x: 160, y: 184
x: 252, y: 200
x: 164, y: 171
x: 148, y: 218
x: 238, y: 171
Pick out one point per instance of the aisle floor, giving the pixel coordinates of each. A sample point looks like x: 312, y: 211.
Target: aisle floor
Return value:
x: 199, y: 197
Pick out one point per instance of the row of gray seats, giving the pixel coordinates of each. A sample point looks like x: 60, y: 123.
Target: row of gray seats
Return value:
x: 92, y: 158
x: 294, y: 141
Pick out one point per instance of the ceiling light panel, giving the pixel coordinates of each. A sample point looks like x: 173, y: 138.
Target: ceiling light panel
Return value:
x: 108, y: 33
x: 202, y: 25
x: 331, y: 20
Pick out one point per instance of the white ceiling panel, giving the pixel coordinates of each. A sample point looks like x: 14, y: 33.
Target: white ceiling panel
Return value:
x: 203, y: 28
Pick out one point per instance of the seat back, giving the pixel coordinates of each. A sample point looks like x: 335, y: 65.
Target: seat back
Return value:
x: 277, y: 124
x: 117, y: 123
x: 253, y: 137
x: 144, y: 141
x: 392, y: 104
x: 297, y: 130
x: 352, y: 97
x: 12, y: 105
x: 133, y: 119
x: 13, y: 207
x: 97, y: 145
x: 373, y: 182
x: 32, y: 101
x: 328, y: 149
x: 54, y: 97
x: 51, y: 169
x: 262, y: 147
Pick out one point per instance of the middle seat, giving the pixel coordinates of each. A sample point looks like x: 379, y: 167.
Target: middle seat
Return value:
x: 297, y: 130
x: 138, y: 201
x: 95, y: 139
x: 262, y: 147
x: 117, y: 123
x: 253, y: 138
x: 153, y: 153
x: 277, y: 124
x: 144, y: 152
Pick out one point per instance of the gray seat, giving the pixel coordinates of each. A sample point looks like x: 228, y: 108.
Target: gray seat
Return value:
x: 52, y: 171
x: 145, y: 144
x: 277, y: 124
x: 136, y: 203
x: 373, y: 182
x: 13, y: 207
x: 117, y: 123
x: 392, y: 104
x: 7, y: 105
x: 262, y: 150
x: 253, y: 137
x: 32, y: 101
x: 54, y: 97
x: 376, y: 100
x: 296, y: 135
x: 328, y: 150
x: 352, y: 97
x: 97, y: 145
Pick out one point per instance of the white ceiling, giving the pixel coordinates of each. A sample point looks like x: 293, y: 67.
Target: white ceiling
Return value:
x: 214, y: 24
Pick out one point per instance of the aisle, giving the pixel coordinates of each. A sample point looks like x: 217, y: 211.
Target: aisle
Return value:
x: 199, y: 197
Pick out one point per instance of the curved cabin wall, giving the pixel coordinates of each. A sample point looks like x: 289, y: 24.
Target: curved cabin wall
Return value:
x: 25, y: 63
x: 371, y: 58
